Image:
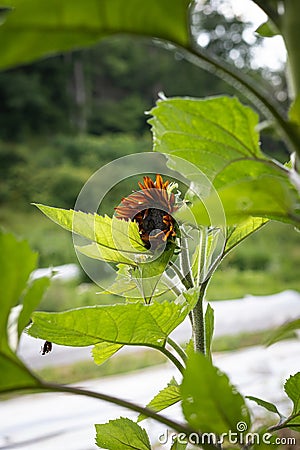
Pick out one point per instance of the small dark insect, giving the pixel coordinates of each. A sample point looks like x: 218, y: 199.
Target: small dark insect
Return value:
x: 47, y: 347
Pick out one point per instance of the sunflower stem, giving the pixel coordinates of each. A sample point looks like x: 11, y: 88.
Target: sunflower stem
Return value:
x: 198, y: 321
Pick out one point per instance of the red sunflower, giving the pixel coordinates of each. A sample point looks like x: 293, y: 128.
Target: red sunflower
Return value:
x: 152, y: 209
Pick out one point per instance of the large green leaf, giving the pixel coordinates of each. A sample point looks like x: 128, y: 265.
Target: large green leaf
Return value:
x: 270, y: 196
x: 17, y: 261
x: 130, y: 323
x: 210, y: 133
x: 165, y: 398
x: 34, y: 29
x: 122, y: 434
x: 218, y: 136
x: 292, y: 389
x: 113, y: 240
x: 209, y: 402
x: 14, y: 375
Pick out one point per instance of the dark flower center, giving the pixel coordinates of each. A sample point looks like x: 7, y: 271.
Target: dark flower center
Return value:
x: 155, y: 224
x: 153, y: 220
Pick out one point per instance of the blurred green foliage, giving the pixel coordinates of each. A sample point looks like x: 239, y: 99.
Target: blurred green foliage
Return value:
x: 103, y: 89
x: 53, y: 171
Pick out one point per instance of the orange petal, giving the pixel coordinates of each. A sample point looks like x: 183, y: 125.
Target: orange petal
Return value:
x: 158, y: 182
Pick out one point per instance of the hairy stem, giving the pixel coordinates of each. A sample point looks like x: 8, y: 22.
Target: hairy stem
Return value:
x: 198, y: 321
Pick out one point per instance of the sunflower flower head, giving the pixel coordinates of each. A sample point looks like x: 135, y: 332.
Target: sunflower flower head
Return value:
x: 152, y: 208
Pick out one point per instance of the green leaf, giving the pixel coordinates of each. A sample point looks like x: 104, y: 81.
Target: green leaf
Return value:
x: 113, y: 240
x: 189, y: 298
x: 209, y: 402
x: 122, y: 434
x: 17, y: 261
x: 283, y: 332
x: 267, y: 405
x: 292, y: 389
x: 130, y: 323
x: 294, y: 423
x: 190, y: 347
x: 294, y: 112
x: 165, y: 398
x: 124, y: 284
x: 178, y: 445
x: 104, y: 350
x: 144, y: 282
x: 238, y: 233
x: 31, y: 300
x: 267, y: 29
x: 147, y: 276
x: 34, y: 29
x: 14, y: 375
x: 209, y: 329
x: 209, y: 133
x: 218, y: 136
x: 268, y: 195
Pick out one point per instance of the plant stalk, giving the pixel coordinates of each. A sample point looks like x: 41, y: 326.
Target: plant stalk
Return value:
x: 285, y: 423
x: 291, y: 34
x: 177, y: 348
x: 187, y: 279
x: 52, y: 387
x: 172, y: 358
x: 198, y: 321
